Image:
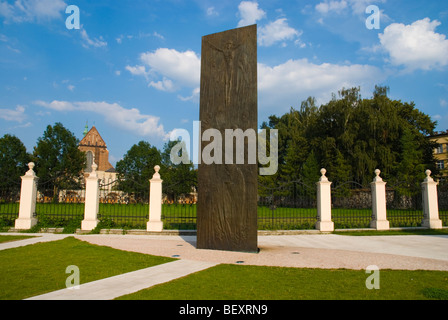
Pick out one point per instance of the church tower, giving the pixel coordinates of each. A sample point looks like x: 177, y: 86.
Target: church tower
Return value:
x: 96, y: 150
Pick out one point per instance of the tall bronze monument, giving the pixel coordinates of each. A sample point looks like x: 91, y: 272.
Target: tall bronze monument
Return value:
x: 227, y: 202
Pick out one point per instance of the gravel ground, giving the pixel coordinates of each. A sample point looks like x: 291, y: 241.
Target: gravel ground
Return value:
x: 301, y: 251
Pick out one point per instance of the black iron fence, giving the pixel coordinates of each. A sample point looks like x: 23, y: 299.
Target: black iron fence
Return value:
x: 286, y: 206
x: 351, y: 205
x: 442, y: 192
x: 122, y: 206
x: 9, y: 202
x: 179, y: 208
x: 404, y: 205
x: 60, y: 204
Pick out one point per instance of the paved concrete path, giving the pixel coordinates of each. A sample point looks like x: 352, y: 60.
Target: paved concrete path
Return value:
x: 113, y: 287
x: 37, y: 237
x: 421, y: 246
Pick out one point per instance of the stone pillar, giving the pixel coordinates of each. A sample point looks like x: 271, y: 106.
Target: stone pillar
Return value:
x: 155, y: 203
x: 324, y: 222
x: 92, y: 203
x: 379, y: 213
x: 430, y: 203
x: 28, y: 194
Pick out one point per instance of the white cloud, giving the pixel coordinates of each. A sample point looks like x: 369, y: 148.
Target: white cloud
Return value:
x: 137, y: 70
x: 71, y: 87
x: 162, y: 85
x: 287, y: 84
x: 17, y: 115
x: 170, y: 69
x: 138, y: 36
x: 194, y: 95
x: 30, y: 10
x: 129, y: 119
x: 211, y: 12
x: 275, y: 31
x: 278, y: 30
x: 158, y: 35
x: 358, y: 7
x: 249, y: 13
x: 97, y: 43
x: 333, y: 6
x: 443, y: 103
x: 415, y: 46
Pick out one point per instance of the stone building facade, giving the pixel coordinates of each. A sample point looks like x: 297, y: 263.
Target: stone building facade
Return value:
x: 441, y: 151
x: 95, y: 149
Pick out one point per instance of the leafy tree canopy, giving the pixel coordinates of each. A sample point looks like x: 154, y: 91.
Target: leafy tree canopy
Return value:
x: 14, y: 161
x: 59, y: 162
x: 177, y: 178
x: 351, y: 137
x: 137, y: 167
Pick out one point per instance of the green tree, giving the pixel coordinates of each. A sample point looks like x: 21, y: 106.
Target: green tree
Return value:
x: 351, y: 137
x: 14, y: 161
x: 137, y: 168
x: 410, y: 169
x: 177, y: 178
x: 310, y: 174
x: 59, y: 162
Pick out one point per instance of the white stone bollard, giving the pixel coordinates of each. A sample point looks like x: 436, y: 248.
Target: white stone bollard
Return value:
x: 430, y: 203
x: 28, y: 194
x: 324, y: 222
x: 379, y: 212
x: 91, y: 205
x: 155, y: 203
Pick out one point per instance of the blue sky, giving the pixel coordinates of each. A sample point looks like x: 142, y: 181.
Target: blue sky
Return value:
x: 132, y: 69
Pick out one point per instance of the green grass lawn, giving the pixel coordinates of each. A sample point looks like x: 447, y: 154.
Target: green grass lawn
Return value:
x: 13, y: 238
x: 36, y: 269
x: 40, y: 268
x: 236, y: 282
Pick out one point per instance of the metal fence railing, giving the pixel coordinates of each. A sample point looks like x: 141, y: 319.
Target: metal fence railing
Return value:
x: 120, y: 208
x: 352, y: 205
x: 289, y: 205
x: 179, y: 212
x: 442, y: 192
x: 404, y: 205
x: 59, y: 205
x: 9, y: 204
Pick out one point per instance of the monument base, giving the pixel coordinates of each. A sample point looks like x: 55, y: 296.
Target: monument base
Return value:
x: 25, y: 224
x: 432, y: 223
x: 154, y: 226
x: 89, y: 225
x: 325, y: 226
x: 380, y: 224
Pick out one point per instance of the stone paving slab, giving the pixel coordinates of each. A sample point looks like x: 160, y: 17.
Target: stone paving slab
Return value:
x: 37, y: 238
x: 116, y: 286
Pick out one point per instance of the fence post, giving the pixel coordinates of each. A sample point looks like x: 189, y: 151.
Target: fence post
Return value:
x: 28, y: 194
x: 430, y: 203
x: 379, y: 212
x: 155, y: 203
x: 91, y: 204
x: 324, y: 222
